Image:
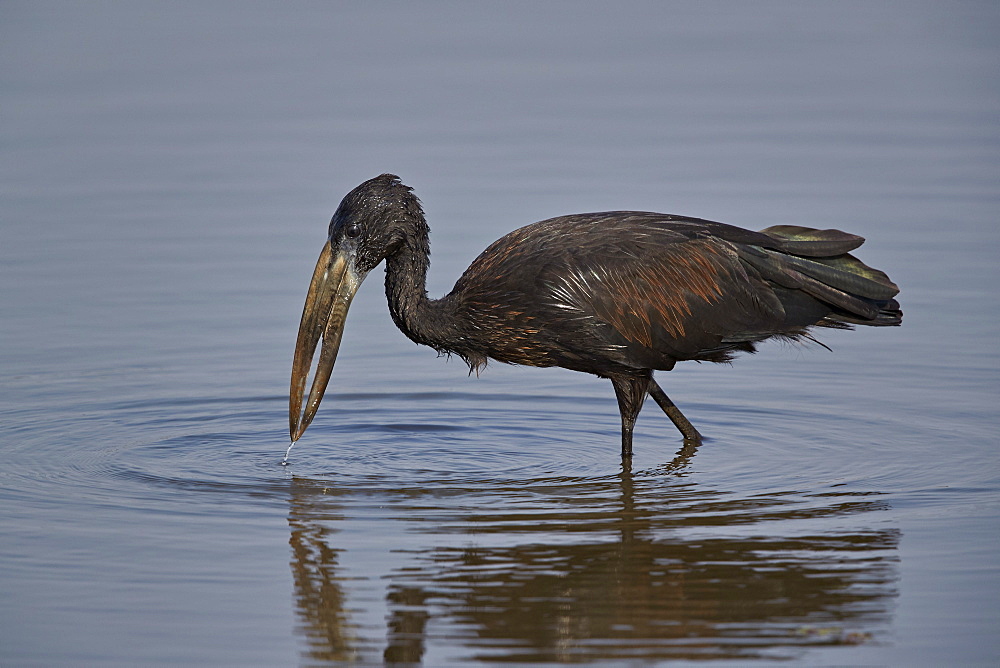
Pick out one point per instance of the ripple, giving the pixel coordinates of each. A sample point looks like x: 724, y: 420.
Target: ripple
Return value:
x: 123, y: 452
x: 145, y: 450
x: 448, y: 442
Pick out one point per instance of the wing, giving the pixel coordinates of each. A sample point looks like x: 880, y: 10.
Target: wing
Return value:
x: 627, y: 289
x: 667, y: 294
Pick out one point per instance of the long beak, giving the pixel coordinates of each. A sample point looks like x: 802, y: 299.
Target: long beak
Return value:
x: 333, y: 285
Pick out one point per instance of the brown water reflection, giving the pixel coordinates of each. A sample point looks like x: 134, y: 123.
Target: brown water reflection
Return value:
x: 319, y: 595
x: 596, y: 570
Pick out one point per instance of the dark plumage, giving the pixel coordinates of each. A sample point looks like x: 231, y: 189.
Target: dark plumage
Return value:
x: 616, y: 294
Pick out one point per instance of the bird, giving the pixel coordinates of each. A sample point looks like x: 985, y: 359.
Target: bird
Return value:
x: 616, y: 294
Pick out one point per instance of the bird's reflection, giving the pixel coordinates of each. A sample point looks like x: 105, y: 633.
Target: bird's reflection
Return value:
x: 319, y: 595
x: 638, y: 566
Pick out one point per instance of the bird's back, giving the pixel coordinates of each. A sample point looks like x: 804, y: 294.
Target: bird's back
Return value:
x: 615, y: 291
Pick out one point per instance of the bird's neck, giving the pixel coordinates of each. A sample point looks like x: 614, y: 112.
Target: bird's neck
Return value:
x: 423, y: 320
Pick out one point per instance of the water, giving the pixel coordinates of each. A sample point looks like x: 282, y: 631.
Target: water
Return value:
x: 167, y: 177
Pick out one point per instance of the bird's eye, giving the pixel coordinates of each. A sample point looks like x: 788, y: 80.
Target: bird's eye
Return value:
x: 352, y: 230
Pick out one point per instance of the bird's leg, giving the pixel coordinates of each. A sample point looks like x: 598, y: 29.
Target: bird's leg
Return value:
x: 631, y: 392
x: 682, y: 423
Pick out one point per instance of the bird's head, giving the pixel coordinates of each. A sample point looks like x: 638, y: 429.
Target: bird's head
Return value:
x: 373, y: 220
x: 372, y: 223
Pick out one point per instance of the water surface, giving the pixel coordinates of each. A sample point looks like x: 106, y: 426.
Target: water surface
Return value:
x: 167, y: 179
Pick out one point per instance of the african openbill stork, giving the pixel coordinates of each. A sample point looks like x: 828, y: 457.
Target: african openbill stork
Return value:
x: 618, y: 294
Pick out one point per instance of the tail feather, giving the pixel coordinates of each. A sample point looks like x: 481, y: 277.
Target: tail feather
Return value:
x: 849, y: 263
x: 846, y: 273
x: 818, y: 263
x: 807, y: 242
